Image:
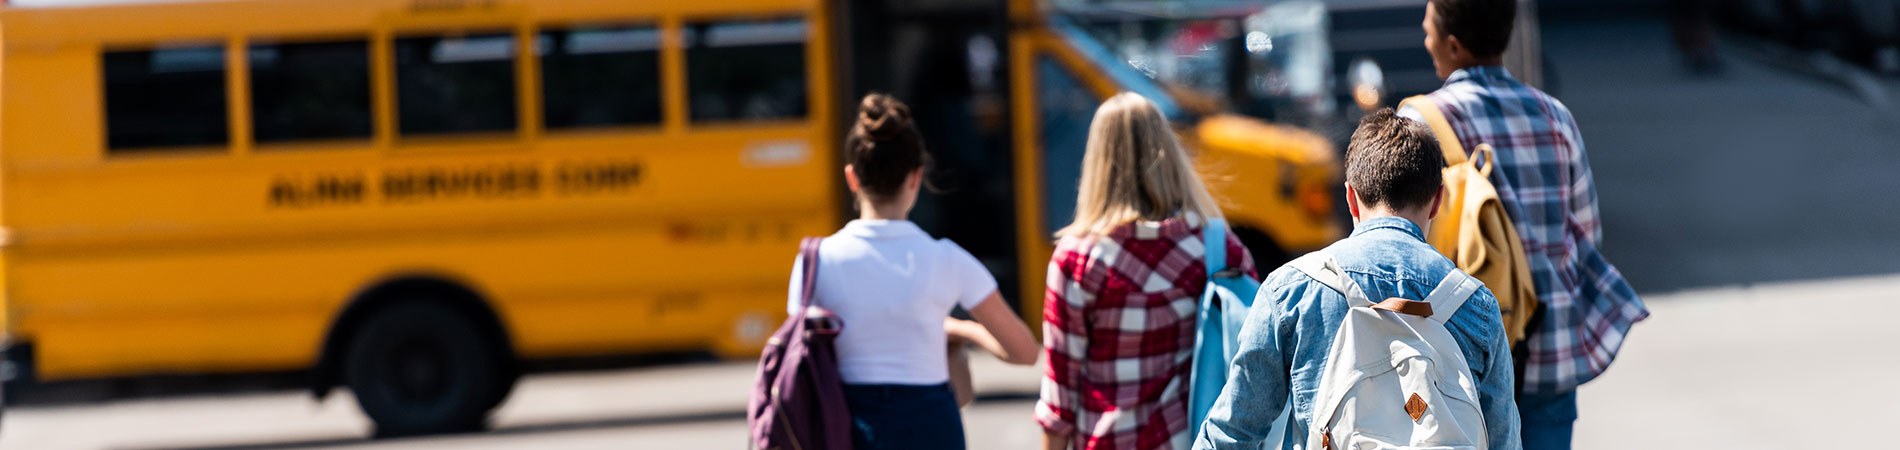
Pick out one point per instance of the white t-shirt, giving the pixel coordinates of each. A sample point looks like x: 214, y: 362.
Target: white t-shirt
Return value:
x: 892, y: 285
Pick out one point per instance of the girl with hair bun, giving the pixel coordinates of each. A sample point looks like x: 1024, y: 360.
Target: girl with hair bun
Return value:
x: 894, y: 286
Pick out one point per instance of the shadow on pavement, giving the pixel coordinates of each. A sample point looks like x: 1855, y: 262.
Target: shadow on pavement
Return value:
x: 547, y: 428
x: 611, y: 422
x: 69, y: 392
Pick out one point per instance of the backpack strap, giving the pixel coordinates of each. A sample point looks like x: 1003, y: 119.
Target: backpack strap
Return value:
x: 808, y: 261
x: 1451, y: 294
x: 1214, y: 237
x: 1447, y: 139
x: 1321, y: 266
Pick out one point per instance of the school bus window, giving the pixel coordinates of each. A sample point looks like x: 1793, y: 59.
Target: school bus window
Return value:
x: 746, y: 70
x: 455, y: 84
x: 165, y: 97
x: 600, y: 76
x: 304, y: 91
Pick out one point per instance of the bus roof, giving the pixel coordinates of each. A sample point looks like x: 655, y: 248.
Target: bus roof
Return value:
x: 75, y: 3
x: 142, y: 22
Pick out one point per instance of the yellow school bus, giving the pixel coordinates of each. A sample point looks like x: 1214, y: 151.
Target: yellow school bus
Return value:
x: 1276, y: 183
x: 407, y: 197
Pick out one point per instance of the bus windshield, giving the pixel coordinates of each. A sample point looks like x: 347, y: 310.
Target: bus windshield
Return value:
x: 1272, y: 62
x: 1127, y: 73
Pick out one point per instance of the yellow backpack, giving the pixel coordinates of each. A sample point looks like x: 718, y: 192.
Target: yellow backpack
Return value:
x: 1472, y: 229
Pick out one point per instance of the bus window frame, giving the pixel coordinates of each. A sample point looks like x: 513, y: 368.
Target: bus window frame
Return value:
x: 106, y: 151
x: 667, y: 44
x: 386, y: 135
x: 676, y: 40
x: 353, y: 144
x: 518, y: 138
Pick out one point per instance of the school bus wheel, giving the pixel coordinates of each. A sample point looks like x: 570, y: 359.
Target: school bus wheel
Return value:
x: 1267, y: 254
x: 422, y: 367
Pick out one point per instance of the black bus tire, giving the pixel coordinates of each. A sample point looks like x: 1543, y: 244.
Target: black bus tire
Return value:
x: 422, y: 367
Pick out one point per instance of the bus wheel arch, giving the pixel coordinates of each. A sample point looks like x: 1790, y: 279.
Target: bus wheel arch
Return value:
x: 1268, y: 253
x: 404, y: 296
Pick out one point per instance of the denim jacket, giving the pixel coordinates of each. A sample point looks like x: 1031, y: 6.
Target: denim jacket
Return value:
x: 1290, y: 330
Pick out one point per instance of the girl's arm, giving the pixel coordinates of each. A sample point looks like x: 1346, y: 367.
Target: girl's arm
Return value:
x: 997, y: 330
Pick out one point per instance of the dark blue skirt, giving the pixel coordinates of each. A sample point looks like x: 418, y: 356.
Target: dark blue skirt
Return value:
x: 898, y: 416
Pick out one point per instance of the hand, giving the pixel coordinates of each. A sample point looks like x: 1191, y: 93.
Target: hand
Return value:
x: 1001, y: 332
x: 960, y: 330
x: 1052, y: 441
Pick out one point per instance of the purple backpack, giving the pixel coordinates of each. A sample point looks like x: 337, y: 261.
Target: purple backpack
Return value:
x: 797, y: 400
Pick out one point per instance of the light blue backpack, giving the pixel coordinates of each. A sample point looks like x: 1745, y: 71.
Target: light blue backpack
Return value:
x: 1224, y: 308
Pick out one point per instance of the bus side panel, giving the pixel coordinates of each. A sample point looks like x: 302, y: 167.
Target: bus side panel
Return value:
x: 620, y: 288
x: 241, y: 278
x: 44, y: 98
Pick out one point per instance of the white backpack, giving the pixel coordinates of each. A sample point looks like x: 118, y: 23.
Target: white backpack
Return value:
x: 1395, y: 378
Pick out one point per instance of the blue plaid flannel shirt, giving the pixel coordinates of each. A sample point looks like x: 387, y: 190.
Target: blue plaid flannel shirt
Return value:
x: 1544, y: 181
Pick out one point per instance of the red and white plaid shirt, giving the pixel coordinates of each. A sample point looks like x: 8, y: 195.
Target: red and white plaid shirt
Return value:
x: 1118, y: 333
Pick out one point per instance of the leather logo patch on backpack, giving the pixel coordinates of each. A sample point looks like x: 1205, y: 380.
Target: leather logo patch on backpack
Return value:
x: 1415, y: 407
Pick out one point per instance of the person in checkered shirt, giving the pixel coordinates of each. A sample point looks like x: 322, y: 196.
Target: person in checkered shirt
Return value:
x: 1124, y: 283
x: 1585, y: 307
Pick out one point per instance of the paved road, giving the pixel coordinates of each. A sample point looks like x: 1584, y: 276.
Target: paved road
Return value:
x: 1716, y: 193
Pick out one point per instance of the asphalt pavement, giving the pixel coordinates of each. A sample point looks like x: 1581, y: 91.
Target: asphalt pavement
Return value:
x: 1774, y: 366
x: 1776, y: 170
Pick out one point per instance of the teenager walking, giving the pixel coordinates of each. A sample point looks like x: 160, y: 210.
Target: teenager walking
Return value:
x: 1393, y: 188
x: 1585, y: 307
x: 893, y: 287
x: 1123, y: 289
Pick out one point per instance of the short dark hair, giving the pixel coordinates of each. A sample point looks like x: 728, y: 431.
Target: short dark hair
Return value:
x: 1483, y: 26
x: 883, y: 146
x: 1394, y: 161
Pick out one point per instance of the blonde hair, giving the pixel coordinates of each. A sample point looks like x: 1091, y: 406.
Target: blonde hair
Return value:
x: 1134, y: 169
